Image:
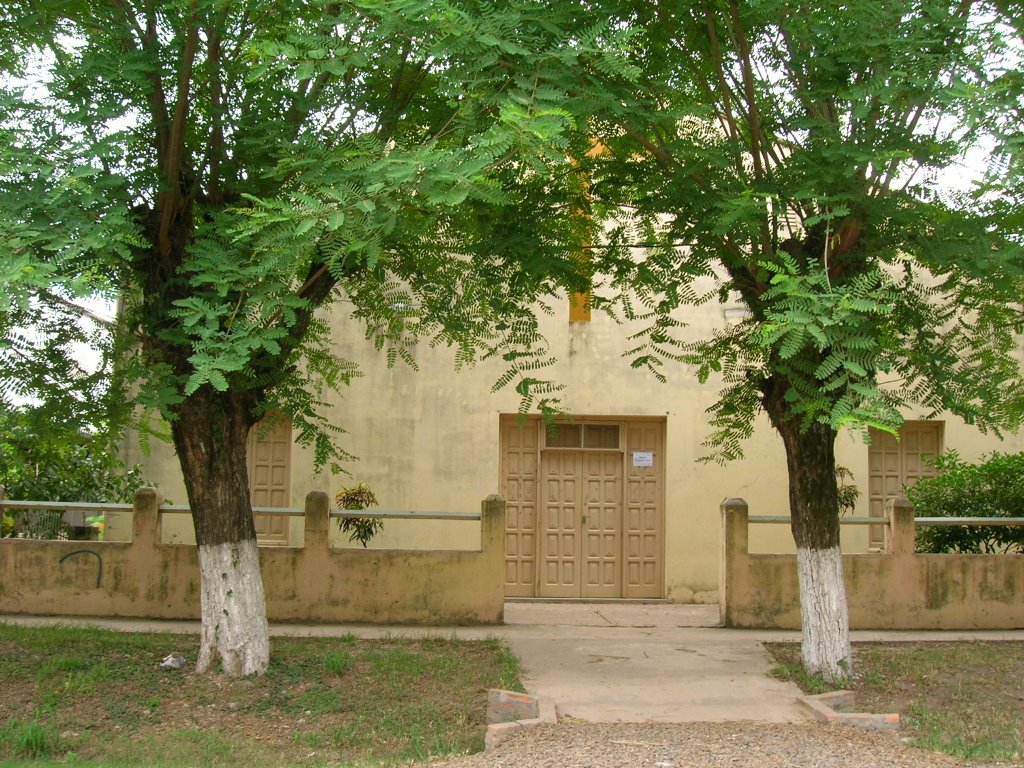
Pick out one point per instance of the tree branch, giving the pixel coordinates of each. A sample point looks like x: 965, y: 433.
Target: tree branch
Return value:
x: 215, y: 151
x: 60, y: 384
x: 658, y: 152
x: 174, y: 159
x: 753, y: 114
x: 76, y: 308
x: 723, y: 85
x: 156, y: 97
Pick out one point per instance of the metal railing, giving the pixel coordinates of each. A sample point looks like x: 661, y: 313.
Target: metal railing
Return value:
x: 346, y: 513
x: 995, y: 521
x: 403, y: 515
x: 57, y: 520
x: 919, y: 521
x: 183, y: 509
x: 54, y: 520
x: 842, y: 520
x: 85, y: 506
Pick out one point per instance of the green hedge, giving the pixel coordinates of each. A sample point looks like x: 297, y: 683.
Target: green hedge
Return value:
x: 992, y: 488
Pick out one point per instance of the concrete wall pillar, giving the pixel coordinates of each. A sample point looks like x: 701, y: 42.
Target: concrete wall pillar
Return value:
x: 492, y: 525
x: 318, y: 520
x: 492, y: 550
x: 901, y: 532
x: 146, y: 518
x: 734, y: 546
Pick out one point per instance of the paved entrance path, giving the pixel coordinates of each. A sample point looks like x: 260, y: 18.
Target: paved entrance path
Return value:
x: 607, y: 662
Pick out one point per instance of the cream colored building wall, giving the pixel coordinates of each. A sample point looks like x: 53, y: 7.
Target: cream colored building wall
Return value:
x: 429, y: 441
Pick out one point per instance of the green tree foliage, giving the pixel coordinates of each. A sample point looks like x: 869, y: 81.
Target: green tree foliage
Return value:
x: 40, y: 463
x: 789, y: 158
x: 1002, y: 115
x: 53, y: 347
x: 229, y: 168
x: 993, y: 487
x: 298, y: 150
x: 798, y: 154
x: 41, y: 460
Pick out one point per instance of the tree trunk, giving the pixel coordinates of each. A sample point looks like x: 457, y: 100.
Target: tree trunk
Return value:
x: 814, y: 509
x: 210, y: 434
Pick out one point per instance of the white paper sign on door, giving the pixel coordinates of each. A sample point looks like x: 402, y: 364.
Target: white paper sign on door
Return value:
x: 643, y: 458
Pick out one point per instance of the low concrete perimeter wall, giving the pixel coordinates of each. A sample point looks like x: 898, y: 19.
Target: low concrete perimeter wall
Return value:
x: 313, y: 583
x: 895, y: 589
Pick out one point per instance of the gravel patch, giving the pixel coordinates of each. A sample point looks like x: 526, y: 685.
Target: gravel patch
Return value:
x: 700, y: 745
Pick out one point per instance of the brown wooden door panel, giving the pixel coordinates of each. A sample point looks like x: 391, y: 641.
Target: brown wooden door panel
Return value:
x: 602, y: 524
x: 519, y: 481
x: 644, y: 513
x: 268, y: 454
x: 560, y: 547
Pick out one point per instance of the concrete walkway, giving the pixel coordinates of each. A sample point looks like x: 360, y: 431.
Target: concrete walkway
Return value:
x: 607, y: 662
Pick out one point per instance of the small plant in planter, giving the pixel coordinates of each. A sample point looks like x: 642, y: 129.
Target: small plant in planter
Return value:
x: 848, y: 494
x: 360, y: 529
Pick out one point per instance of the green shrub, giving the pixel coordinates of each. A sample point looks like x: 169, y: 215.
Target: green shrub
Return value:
x: 992, y: 488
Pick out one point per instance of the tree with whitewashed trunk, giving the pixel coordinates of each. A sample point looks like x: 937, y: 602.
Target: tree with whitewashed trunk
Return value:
x: 797, y: 157
x: 228, y: 169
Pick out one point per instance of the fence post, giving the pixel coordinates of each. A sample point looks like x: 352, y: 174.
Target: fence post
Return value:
x: 492, y: 525
x: 900, y: 533
x: 146, y: 518
x: 318, y: 518
x: 734, y: 550
x: 492, y: 552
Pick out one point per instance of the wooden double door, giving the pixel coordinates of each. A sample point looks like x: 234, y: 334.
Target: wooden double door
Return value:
x: 584, y: 508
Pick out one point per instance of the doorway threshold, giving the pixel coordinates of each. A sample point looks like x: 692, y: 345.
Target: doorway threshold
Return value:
x: 593, y: 600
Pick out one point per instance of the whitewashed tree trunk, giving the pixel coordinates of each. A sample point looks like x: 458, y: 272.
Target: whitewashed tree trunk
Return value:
x: 814, y: 512
x: 234, y: 614
x: 823, y: 612
x: 210, y: 434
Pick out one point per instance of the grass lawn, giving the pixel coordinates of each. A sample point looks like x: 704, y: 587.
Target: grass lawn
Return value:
x: 75, y: 696
x: 962, y: 698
